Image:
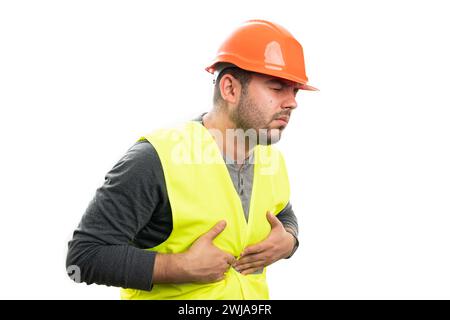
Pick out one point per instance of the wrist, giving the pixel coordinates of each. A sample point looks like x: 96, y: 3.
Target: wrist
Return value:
x: 160, y: 272
x: 169, y: 268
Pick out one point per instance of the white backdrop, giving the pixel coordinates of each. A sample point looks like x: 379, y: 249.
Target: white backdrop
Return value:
x: 368, y: 155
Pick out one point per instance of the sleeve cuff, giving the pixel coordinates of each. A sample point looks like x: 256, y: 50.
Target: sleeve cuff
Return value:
x: 295, y: 245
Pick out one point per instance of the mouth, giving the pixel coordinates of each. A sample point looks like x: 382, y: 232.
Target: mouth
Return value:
x: 283, y: 120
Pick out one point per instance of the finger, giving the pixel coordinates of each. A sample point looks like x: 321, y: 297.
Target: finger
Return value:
x: 250, y: 259
x: 257, y: 248
x: 215, y: 231
x: 257, y: 264
x: 274, y: 222
x: 231, y: 260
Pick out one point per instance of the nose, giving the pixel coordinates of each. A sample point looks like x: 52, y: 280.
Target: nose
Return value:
x: 290, y: 102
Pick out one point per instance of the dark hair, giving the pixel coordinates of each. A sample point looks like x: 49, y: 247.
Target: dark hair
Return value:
x: 243, y: 76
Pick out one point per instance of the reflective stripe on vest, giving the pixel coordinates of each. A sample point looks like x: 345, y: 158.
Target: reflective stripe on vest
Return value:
x: 201, y: 193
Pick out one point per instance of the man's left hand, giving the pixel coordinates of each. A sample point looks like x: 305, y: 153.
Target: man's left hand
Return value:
x: 278, y: 245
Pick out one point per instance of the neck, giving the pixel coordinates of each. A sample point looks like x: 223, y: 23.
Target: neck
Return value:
x: 232, y: 146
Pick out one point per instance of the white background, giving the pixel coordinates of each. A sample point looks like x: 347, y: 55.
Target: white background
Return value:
x: 368, y: 155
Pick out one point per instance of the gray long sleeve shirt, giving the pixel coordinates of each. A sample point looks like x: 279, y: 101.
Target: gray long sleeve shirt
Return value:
x: 131, y: 212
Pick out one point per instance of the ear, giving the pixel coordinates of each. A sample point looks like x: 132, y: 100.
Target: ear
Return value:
x: 230, y: 89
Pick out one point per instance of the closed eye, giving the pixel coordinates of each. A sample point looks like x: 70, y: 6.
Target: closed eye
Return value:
x: 278, y: 86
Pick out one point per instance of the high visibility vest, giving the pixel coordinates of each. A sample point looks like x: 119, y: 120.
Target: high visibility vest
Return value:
x: 201, y: 193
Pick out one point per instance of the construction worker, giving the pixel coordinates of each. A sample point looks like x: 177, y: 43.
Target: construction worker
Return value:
x: 199, y: 210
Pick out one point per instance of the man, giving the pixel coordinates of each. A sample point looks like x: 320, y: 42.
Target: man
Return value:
x: 200, y: 210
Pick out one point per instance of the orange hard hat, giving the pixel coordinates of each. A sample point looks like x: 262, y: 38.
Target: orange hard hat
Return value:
x: 264, y: 47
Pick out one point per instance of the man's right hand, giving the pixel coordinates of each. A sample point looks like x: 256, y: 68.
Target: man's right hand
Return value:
x: 203, y: 262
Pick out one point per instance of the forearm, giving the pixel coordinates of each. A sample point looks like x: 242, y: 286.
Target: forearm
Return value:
x: 112, y: 265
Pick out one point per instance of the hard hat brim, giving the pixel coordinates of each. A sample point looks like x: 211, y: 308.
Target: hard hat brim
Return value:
x: 307, y: 87
x: 212, y: 68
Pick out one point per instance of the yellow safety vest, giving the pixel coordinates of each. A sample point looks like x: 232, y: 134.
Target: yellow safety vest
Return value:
x: 201, y: 193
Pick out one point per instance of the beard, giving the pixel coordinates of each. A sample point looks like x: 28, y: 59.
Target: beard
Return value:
x: 249, y: 118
